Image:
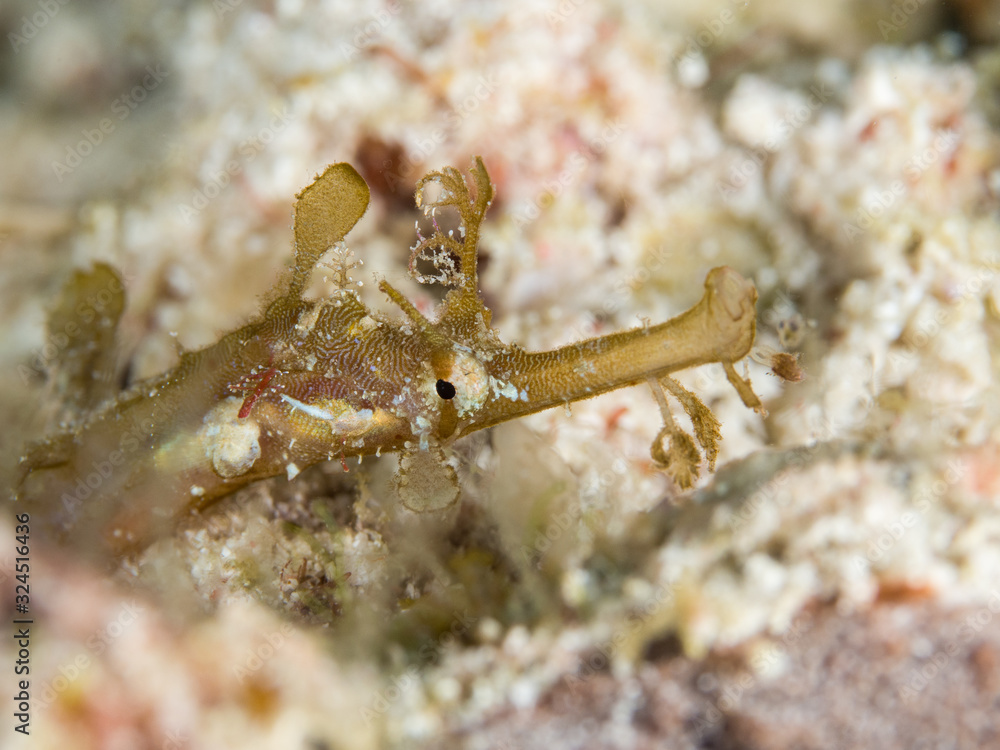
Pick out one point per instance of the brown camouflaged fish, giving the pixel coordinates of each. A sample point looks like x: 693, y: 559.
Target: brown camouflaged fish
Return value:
x: 329, y: 379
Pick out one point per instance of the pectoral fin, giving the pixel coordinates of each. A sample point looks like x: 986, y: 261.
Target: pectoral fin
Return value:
x: 426, y: 481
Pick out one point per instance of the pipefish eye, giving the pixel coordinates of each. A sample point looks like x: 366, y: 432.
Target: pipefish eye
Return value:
x: 461, y: 379
x: 445, y: 389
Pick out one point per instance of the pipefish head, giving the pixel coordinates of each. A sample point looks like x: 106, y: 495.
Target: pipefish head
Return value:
x: 330, y: 378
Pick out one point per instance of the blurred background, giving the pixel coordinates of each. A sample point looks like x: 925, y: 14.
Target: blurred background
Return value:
x: 833, y: 585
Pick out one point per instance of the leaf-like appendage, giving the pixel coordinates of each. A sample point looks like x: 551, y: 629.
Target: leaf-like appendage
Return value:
x: 743, y: 387
x: 82, y: 327
x: 324, y: 213
x: 706, y: 426
x: 471, y: 206
x: 679, y: 459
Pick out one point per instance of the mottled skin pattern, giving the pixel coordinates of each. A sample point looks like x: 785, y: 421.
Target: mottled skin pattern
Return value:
x: 315, y: 380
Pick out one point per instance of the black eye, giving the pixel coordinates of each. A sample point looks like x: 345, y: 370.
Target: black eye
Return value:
x: 445, y: 389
